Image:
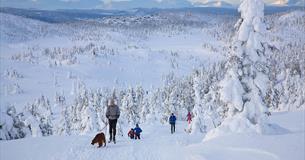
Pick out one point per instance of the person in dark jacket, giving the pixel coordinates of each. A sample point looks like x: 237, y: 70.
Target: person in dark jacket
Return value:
x: 172, y: 122
x: 131, y: 133
x: 137, y: 131
x: 112, y: 113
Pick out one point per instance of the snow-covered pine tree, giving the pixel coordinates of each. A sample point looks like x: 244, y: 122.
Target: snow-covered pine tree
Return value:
x: 197, y: 124
x: 145, y: 107
x: 170, y: 97
x: 139, y: 100
x: 84, y: 113
x: 155, y: 107
x: 187, y: 94
x: 244, y: 87
x: 16, y: 126
x: 130, y: 110
x: 41, y: 110
x: 64, y: 125
x: 99, y: 104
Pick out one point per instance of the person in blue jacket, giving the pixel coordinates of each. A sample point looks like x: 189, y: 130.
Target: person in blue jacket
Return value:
x: 172, y: 122
x: 137, y: 131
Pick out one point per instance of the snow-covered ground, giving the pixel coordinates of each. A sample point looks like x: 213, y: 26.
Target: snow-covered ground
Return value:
x: 56, y: 78
x: 158, y: 144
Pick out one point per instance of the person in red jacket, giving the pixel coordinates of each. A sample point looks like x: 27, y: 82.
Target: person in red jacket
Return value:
x: 189, y: 117
x: 131, y: 133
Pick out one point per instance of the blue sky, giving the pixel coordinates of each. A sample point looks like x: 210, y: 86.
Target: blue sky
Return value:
x: 123, y: 4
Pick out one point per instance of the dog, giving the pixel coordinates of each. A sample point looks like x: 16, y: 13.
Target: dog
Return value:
x: 100, y: 139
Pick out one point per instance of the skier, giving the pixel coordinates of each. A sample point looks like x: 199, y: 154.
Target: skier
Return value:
x: 112, y: 113
x: 172, y: 122
x: 189, y: 117
x: 137, y: 131
x: 131, y: 133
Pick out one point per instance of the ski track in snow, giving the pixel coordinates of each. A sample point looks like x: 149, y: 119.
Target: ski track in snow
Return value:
x: 152, y: 146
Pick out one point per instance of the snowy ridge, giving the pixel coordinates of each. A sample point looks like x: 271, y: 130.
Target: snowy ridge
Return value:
x: 18, y: 29
x: 220, y: 4
x: 288, y: 2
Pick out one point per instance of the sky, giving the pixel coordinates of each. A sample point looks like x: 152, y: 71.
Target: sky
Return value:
x: 127, y: 4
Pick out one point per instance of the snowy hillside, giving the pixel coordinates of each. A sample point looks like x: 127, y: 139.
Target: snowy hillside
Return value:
x: 163, y: 145
x: 100, y: 52
x: 240, y: 75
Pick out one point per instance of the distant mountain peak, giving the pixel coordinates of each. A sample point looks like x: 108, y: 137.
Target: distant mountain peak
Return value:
x: 288, y: 2
x: 213, y: 4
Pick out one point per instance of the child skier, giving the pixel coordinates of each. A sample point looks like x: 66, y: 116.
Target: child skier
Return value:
x: 137, y: 132
x: 131, y: 133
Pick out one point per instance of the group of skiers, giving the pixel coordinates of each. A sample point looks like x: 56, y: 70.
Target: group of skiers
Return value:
x: 134, y: 133
x: 113, y: 113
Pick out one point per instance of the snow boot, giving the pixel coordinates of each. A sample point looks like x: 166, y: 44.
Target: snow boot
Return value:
x: 114, y: 140
x: 110, y: 139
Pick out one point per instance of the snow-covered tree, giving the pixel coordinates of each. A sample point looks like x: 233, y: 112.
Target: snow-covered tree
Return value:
x: 40, y: 113
x: 243, y: 88
x: 13, y: 125
x: 197, y: 124
x: 155, y: 107
x: 207, y: 110
x: 145, y: 107
x: 98, y: 103
x: 130, y: 110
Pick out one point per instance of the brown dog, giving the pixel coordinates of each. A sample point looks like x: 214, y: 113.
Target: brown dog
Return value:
x: 100, y: 139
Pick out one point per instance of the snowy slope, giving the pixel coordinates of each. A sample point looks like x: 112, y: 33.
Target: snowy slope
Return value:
x: 289, y: 145
x: 18, y: 29
x: 153, y: 50
x: 158, y: 143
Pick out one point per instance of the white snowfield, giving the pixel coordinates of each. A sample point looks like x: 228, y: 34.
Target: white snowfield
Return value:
x: 56, y: 78
x: 158, y: 144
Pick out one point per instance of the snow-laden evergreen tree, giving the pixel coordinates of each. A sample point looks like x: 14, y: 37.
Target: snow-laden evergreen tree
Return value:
x: 13, y: 125
x: 99, y: 104
x: 207, y: 107
x: 170, y: 97
x: 145, y: 107
x: 154, y: 113
x: 197, y: 125
x: 244, y: 86
x: 173, y: 100
x: 40, y: 113
x: 292, y: 92
x: 187, y: 101
x: 84, y: 115
x: 130, y: 109
x: 64, y: 125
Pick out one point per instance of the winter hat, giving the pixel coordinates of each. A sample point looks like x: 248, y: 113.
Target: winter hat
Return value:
x: 112, y: 102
